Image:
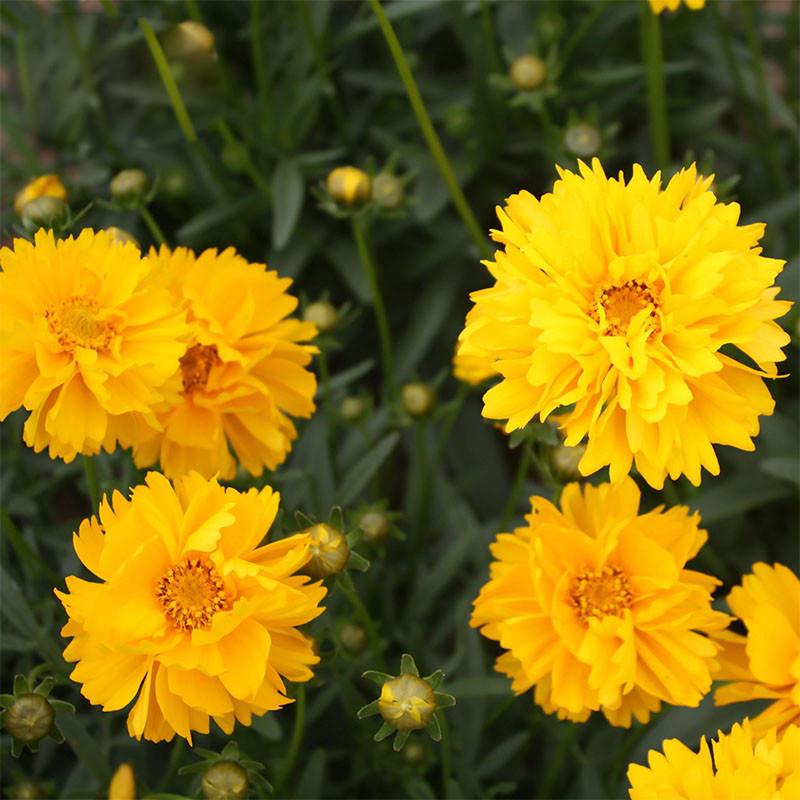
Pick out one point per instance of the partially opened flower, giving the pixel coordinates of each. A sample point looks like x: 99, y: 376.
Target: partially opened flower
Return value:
x: 765, y: 664
x: 594, y: 607
x: 624, y: 305
x: 244, y: 374
x: 744, y: 765
x: 86, y: 341
x: 657, y: 6
x: 191, y: 617
x: 44, y: 186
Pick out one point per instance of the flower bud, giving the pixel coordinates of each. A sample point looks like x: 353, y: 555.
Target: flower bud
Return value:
x: 27, y: 790
x: 528, y: 72
x: 235, y: 156
x: 174, y: 182
x: 225, y: 780
x: 43, y: 186
x: 349, y: 186
x: 458, y: 120
x: 583, y: 140
x: 375, y: 526
x: 353, y: 409
x: 122, y: 236
x: 328, y: 550
x: 129, y: 186
x: 407, y: 702
x: 189, y: 41
x: 387, y: 191
x: 414, y: 752
x: 323, y: 315
x: 353, y: 637
x: 123, y: 784
x: 29, y: 718
x: 418, y: 399
x: 44, y: 212
x: 566, y: 460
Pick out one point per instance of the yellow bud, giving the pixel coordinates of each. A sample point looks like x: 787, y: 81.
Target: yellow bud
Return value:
x: 566, y: 460
x: 349, y: 186
x: 225, y: 780
x: 414, y: 752
x: 44, y: 212
x: 583, y: 140
x: 418, y: 399
x: 407, y: 702
x: 528, y: 72
x: 43, y: 186
x: 328, y: 551
x: 323, y: 315
x: 122, y: 236
x: 129, y: 186
x: 353, y: 637
x: 26, y: 791
x: 352, y: 409
x: 29, y: 718
x: 189, y: 41
x: 375, y: 526
x: 387, y: 191
x: 123, y: 784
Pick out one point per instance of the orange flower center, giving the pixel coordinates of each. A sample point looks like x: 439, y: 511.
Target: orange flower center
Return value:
x: 600, y: 593
x: 191, y: 593
x: 621, y: 304
x: 76, y: 323
x: 196, y: 365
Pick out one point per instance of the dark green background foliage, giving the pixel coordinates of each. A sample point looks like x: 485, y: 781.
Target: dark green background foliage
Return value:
x: 299, y: 88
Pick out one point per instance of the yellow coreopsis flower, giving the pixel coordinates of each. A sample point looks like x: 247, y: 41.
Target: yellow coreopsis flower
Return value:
x: 765, y: 664
x: 43, y: 186
x: 123, y: 784
x: 594, y: 606
x: 744, y: 766
x: 615, y: 300
x: 86, y: 341
x: 657, y: 6
x: 190, y: 616
x: 244, y: 374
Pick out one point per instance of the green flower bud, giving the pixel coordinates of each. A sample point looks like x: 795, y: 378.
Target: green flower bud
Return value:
x: 225, y: 780
x: 329, y: 551
x: 414, y: 752
x: 458, y: 121
x: 44, y: 212
x: 418, y: 399
x: 174, y: 182
x: 235, y: 157
x: 353, y: 409
x: 375, y: 526
x: 583, y: 140
x: 387, y: 191
x: 353, y: 637
x: 566, y: 460
x: 189, y: 41
x: 129, y: 187
x: 323, y: 315
x: 407, y: 702
x: 528, y: 72
x: 29, y: 718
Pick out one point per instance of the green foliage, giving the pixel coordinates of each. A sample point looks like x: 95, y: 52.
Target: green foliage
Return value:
x: 234, y: 146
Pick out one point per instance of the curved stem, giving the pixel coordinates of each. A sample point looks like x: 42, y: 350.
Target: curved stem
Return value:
x: 345, y: 584
x: 360, y: 236
x: 656, y: 91
x: 428, y: 131
x: 153, y: 226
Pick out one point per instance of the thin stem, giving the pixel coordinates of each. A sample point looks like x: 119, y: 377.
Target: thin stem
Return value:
x: 21, y: 44
x: 428, y: 131
x: 151, y: 223
x: 259, y: 181
x: 29, y: 559
x: 360, y: 236
x: 519, y: 482
x: 193, y: 10
x: 297, y: 737
x: 488, y: 34
x: 425, y: 479
x: 724, y: 34
x: 447, y: 755
x: 656, y: 92
x: 557, y: 764
x: 91, y: 482
x: 259, y: 66
x: 583, y: 28
x: 770, y: 146
x: 345, y: 584
x: 330, y: 422
x: 110, y: 8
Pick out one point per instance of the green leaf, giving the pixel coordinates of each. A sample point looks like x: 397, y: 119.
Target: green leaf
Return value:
x: 408, y: 666
x: 444, y: 700
x: 400, y: 740
x: 368, y: 710
x: 434, y: 729
x: 288, y: 194
x: 361, y: 474
x: 377, y: 677
x: 785, y: 468
x: 312, y: 780
x: 435, y: 678
x: 357, y: 562
x: 384, y: 731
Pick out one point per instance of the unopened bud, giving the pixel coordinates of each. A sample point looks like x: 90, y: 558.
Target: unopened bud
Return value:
x: 375, y: 526
x: 387, y: 191
x: 129, y: 186
x: 44, y: 186
x: 418, y: 399
x: 528, y: 72
x: 323, y: 315
x: 44, y: 212
x: 458, y: 120
x: 123, y: 784
x: 349, y: 186
x: 328, y: 549
x: 189, y: 41
x: 27, y: 790
x: 566, y: 460
x: 225, y: 780
x: 174, y: 182
x: 353, y: 637
x: 407, y: 702
x: 414, y: 752
x: 29, y: 718
x: 121, y: 236
x: 583, y: 140
x: 353, y: 409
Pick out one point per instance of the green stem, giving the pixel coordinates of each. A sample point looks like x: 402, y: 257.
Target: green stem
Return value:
x: 360, y: 236
x: 24, y: 77
x: 193, y: 10
x: 656, y: 91
x: 91, y: 482
x: 447, y: 755
x: 294, y: 744
x: 628, y: 745
x: 151, y: 223
x: 557, y: 764
x: 583, y: 28
x: 770, y: 146
x: 519, y: 483
x: 330, y: 420
x: 110, y: 8
x: 176, y: 755
x: 425, y: 479
x: 259, y: 65
x: 29, y: 559
x: 724, y: 34
x: 345, y: 585
x: 428, y: 131
x: 250, y: 169
x: 488, y: 34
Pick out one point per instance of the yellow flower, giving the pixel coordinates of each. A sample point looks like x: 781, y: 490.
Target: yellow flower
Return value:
x: 43, y: 186
x: 744, y: 766
x: 123, y: 784
x: 616, y: 300
x: 471, y: 364
x: 85, y: 341
x: 190, y: 614
x: 595, y: 607
x: 657, y: 6
x: 765, y: 664
x: 349, y: 186
x: 243, y: 375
